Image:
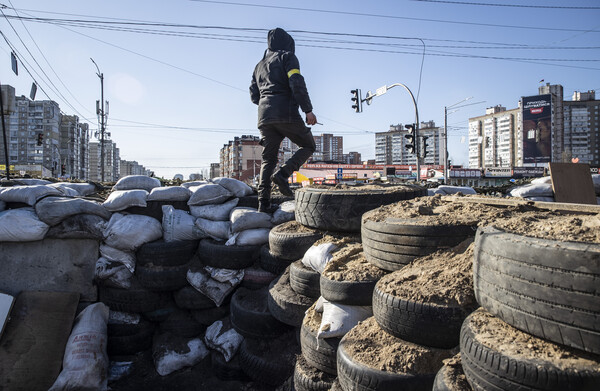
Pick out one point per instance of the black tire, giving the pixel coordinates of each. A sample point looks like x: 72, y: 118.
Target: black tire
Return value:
x: 347, y: 292
x: 488, y: 365
x: 163, y: 278
x: 307, y: 378
x: 286, y: 305
x: 190, y: 299
x: 264, y: 365
x: 161, y: 253
x: 291, y: 245
x: 135, y: 299
x: 250, y: 314
x: 451, y: 377
x: 216, y: 254
x: 341, y: 210
x: 271, y: 263
x: 430, y: 324
x: 304, y: 280
x: 211, y: 315
x: 227, y: 371
x: 544, y: 287
x: 319, y: 353
x: 256, y: 277
x: 182, y: 323
x: 129, y: 339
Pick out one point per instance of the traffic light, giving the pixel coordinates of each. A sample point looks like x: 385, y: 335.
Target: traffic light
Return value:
x: 411, y: 138
x: 40, y: 139
x: 63, y: 170
x: 425, y: 145
x: 356, y: 103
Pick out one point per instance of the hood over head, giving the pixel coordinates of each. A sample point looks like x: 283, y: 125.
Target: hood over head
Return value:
x: 279, y: 39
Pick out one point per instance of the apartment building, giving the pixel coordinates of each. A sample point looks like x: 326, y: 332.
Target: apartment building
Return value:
x: 391, y: 146
x: 492, y: 138
x: 241, y: 158
x: 111, y: 161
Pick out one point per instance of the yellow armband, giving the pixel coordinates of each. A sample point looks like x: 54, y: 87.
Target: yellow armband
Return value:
x: 293, y: 71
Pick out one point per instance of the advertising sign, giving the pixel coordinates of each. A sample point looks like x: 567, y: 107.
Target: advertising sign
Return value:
x: 498, y: 172
x: 528, y: 172
x: 537, y: 129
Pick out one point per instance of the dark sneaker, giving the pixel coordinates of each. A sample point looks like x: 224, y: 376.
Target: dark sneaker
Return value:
x: 266, y: 208
x: 282, y: 184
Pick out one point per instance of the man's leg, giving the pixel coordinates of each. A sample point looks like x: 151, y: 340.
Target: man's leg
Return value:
x: 300, y: 135
x: 270, y: 140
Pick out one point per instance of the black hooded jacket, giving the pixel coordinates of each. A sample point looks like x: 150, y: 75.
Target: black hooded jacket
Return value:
x: 277, y: 86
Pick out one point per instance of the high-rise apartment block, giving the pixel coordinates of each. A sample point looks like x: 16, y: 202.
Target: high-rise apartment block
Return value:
x: 329, y: 148
x: 391, y: 146
x: 112, y: 161
x: 241, y: 158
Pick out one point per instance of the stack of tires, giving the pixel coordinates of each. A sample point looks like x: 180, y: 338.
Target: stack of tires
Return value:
x: 539, y: 325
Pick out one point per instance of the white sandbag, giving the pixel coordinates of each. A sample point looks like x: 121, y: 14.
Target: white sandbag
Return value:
x: 214, y: 212
x: 533, y: 190
x: 317, y: 256
x: 338, y: 319
x: 187, y: 185
x: 119, y: 369
x: 81, y: 226
x: 66, y: 191
x: 596, y: 182
x: 211, y: 288
x: 542, y: 199
x: 129, y: 232
x: 173, y: 353
x: 85, y: 363
x: 126, y: 258
x: 238, y: 188
x: 53, y: 210
x: 30, y: 181
x: 21, y: 225
x: 113, y: 274
x: 249, y: 237
x: 431, y: 192
x: 179, y: 225
x: 119, y: 317
x: 231, y: 276
x: 218, y: 230
x: 543, y: 179
x: 171, y: 193
x: 123, y: 199
x: 74, y: 189
x: 446, y: 189
x: 27, y: 194
x: 133, y: 182
x: 223, y: 339
x: 208, y: 194
x: 248, y: 218
x: 285, y: 213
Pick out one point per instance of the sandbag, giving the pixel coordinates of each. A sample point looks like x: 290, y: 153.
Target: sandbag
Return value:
x: 171, y: 352
x: 75, y: 189
x: 133, y: 182
x: 542, y: 199
x: 21, y: 225
x: 317, y: 256
x: 215, y: 290
x: 81, y: 226
x: 544, y: 180
x: 85, y: 363
x: 187, y: 185
x: 30, y: 181
x: 129, y: 232
x: 248, y: 218
x: 285, y: 213
x: 533, y: 190
x: 123, y: 199
x: 208, y: 194
x: 249, y: 237
x: 223, y: 339
x: 218, y: 230
x: 27, y: 194
x: 53, y: 210
x: 215, y: 212
x: 171, y: 193
x: 338, y: 319
x: 236, y: 187
x: 127, y: 258
x: 113, y: 274
x: 179, y: 225
x: 446, y: 190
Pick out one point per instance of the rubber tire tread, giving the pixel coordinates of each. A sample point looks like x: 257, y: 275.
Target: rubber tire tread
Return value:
x: 227, y: 371
x: 270, y: 262
x: 291, y: 245
x: 347, y: 292
x: 189, y: 298
x: 138, y: 339
x: 161, y: 253
x: 486, y: 368
x: 216, y: 254
x: 302, y: 382
x: 546, y: 288
x: 321, y: 354
x: 411, y: 227
x: 163, y: 278
x: 443, y: 240
x: 358, y: 377
x: 419, y: 322
x: 339, y: 210
x: 440, y: 383
x: 261, y: 370
x: 304, y: 280
x: 135, y: 299
x: 286, y: 305
x: 387, y: 261
x: 250, y: 323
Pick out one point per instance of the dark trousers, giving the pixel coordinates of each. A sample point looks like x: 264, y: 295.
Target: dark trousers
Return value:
x: 271, y: 137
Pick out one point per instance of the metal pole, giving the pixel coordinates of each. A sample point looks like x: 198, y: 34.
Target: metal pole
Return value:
x: 445, y: 144
x: 416, y: 128
x: 102, y: 125
x: 6, y: 158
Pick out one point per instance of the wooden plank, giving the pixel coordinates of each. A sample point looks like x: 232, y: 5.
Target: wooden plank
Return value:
x: 33, y: 345
x: 572, y: 183
x: 556, y: 206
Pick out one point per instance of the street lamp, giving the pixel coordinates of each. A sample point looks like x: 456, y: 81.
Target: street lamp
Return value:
x: 101, y: 114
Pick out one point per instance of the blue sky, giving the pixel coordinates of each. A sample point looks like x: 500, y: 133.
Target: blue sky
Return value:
x: 177, y: 94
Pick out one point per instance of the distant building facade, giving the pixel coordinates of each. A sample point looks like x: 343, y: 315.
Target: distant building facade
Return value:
x: 74, y: 147
x: 131, y: 167
x: 241, y: 158
x: 390, y: 146
x: 111, y: 161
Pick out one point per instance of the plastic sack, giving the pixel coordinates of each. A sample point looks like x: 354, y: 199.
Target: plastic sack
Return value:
x: 27, y: 194
x: 129, y: 232
x: 171, y: 352
x: 218, y: 230
x: 30, y: 181
x: 285, y: 213
x: 211, y: 288
x: 74, y: 189
x: 223, y: 339
x: 208, y: 194
x: 214, y: 212
x: 533, y: 190
x: 248, y: 218
x: 317, y: 256
x: 127, y: 258
x: 446, y: 190
x: 119, y: 369
x: 338, y: 319
x: 172, y: 193
x: 21, y: 225
x: 542, y: 199
x: 133, y: 182
x: 82, y: 226
x: 179, y: 225
x: 231, y: 276
x: 544, y: 180
x: 123, y: 199
x: 113, y: 274
x: 236, y: 187
x: 119, y: 317
x: 85, y: 363
x: 53, y: 210
x: 249, y: 237
x: 187, y: 185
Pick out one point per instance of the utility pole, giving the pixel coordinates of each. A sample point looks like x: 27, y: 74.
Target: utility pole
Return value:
x: 7, y: 161
x: 102, y: 117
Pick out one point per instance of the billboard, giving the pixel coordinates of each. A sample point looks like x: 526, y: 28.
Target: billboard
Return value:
x: 537, y: 128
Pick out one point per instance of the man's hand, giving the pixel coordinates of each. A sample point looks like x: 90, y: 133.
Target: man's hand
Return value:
x: 311, y: 119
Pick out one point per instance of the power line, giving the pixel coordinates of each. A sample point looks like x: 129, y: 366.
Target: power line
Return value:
x: 511, y: 5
